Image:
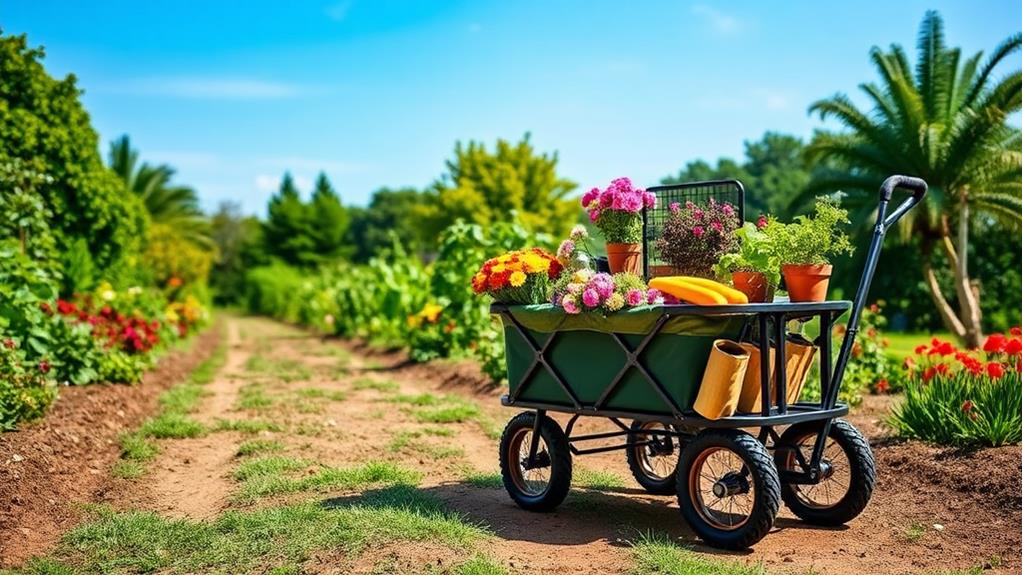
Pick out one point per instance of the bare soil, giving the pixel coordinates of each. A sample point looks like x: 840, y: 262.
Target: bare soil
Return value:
x: 49, y: 468
x: 933, y: 508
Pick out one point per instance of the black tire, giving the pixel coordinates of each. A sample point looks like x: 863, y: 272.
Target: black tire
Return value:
x: 745, y: 470
x: 555, y: 458
x: 654, y: 466
x: 850, y: 484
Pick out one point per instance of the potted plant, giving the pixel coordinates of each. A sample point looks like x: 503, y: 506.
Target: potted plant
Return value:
x: 804, y: 247
x: 695, y: 237
x: 754, y: 269
x: 617, y: 212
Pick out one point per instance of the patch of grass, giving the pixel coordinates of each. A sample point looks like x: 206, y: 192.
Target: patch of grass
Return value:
x: 597, y: 479
x: 253, y: 396
x: 913, y: 533
x: 660, y: 555
x: 207, y: 369
x: 286, y: 370
x: 275, y: 476
x: 258, y: 446
x: 410, y: 441
x: 419, y: 400
x: 171, y: 425
x: 182, y: 398
x: 128, y: 469
x: 483, y: 480
x: 491, y: 428
x: 456, y: 412
x: 383, y: 386
x: 136, y: 447
x: 480, y: 565
x: 245, y: 425
x: 263, y: 540
x: 320, y: 393
x: 438, y: 431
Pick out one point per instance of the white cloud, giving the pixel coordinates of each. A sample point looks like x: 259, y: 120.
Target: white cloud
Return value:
x: 721, y: 23
x: 267, y: 183
x: 338, y: 11
x: 208, y: 88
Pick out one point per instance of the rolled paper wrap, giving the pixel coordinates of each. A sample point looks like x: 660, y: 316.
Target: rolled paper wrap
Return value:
x: 752, y: 391
x: 722, y: 381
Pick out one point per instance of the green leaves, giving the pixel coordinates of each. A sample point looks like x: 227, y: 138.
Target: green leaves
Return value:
x: 811, y: 239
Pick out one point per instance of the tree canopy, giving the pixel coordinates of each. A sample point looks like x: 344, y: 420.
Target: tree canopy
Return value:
x: 305, y: 233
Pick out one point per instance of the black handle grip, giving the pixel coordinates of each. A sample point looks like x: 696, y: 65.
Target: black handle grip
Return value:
x: 916, y: 185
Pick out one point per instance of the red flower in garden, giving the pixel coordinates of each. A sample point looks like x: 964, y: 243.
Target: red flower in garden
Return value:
x: 944, y: 348
x: 920, y: 349
x: 967, y: 406
x: 65, y: 307
x: 995, y: 370
x: 882, y: 386
x: 995, y: 343
x: 928, y: 373
x: 1013, y: 347
x: 1016, y: 331
x: 761, y: 222
x: 9, y: 344
x: 44, y: 366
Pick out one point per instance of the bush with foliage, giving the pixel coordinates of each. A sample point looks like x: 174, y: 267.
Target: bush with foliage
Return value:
x: 695, y: 237
x: 963, y: 398
x: 26, y: 388
x: 811, y: 239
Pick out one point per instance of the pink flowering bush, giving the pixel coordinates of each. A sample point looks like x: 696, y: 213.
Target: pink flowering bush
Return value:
x: 695, y: 237
x: 617, y: 210
x: 587, y: 291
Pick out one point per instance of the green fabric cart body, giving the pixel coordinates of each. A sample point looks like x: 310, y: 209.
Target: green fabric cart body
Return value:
x: 588, y: 354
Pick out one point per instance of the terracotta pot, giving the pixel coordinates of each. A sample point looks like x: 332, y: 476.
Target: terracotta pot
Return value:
x: 662, y: 271
x: 807, y: 282
x: 625, y: 258
x: 754, y: 285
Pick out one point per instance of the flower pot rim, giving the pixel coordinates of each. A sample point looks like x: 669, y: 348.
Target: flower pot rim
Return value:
x: 808, y: 267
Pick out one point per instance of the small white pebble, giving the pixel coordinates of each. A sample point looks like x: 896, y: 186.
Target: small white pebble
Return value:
x: 17, y: 458
x: 938, y: 526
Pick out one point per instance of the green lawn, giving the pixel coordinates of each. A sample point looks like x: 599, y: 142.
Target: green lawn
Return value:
x: 903, y: 344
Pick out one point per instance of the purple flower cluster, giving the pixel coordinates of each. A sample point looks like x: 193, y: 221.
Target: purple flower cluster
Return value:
x: 620, y: 196
x: 695, y: 236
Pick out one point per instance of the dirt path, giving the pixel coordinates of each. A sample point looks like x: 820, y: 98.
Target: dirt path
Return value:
x: 331, y: 405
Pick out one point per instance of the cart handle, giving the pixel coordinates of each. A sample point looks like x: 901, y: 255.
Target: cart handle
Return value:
x: 916, y: 185
x: 884, y: 220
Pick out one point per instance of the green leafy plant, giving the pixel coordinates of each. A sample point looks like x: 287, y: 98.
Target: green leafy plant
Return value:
x: 756, y: 253
x: 26, y: 389
x: 811, y: 239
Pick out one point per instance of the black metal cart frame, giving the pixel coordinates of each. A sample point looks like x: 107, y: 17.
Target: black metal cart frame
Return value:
x: 770, y: 321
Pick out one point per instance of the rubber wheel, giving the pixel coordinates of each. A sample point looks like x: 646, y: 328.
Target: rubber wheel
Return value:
x: 654, y: 466
x: 543, y: 486
x: 728, y: 488
x: 850, y: 473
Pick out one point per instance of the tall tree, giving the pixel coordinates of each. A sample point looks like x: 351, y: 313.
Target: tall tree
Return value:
x: 287, y: 230
x: 172, y: 205
x: 485, y: 187
x: 239, y: 247
x: 390, y: 214
x: 946, y: 122
x: 328, y: 220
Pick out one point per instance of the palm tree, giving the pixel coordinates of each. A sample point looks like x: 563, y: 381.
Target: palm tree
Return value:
x: 945, y: 122
x: 175, y: 206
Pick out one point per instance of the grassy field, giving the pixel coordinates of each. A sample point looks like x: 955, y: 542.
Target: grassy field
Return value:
x: 903, y: 344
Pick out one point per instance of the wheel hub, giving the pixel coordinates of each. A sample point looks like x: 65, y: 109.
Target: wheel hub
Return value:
x: 542, y: 459
x: 660, y: 446
x: 826, y: 470
x: 730, y: 484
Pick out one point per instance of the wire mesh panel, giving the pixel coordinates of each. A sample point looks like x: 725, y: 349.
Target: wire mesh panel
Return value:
x: 729, y: 191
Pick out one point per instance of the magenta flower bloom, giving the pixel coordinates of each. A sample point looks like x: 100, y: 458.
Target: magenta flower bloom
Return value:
x: 698, y: 231
x: 590, y: 196
x: 761, y: 222
x: 565, y: 250
x: 590, y: 297
x: 716, y: 226
x: 728, y: 210
x: 635, y: 297
x: 603, y: 284
x: 675, y: 207
x: 570, y: 306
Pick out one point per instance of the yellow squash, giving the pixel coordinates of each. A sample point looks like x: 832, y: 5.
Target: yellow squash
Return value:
x: 687, y: 291
x: 730, y: 294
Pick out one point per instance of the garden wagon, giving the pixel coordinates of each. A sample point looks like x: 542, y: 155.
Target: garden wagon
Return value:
x: 645, y: 365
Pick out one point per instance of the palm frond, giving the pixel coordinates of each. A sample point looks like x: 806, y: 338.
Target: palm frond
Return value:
x: 1005, y: 49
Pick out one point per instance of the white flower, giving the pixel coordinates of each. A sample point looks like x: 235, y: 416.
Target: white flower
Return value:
x: 108, y: 295
x: 579, y: 232
x: 134, y: 290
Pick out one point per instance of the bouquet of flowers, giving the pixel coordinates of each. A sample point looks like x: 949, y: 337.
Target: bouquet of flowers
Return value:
x: 695, y: 237
x: 521, y: 276
x: 617, y: 210
x: 582, y: 289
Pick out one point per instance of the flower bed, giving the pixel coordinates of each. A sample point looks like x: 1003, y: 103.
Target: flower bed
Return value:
x: 960, y: 397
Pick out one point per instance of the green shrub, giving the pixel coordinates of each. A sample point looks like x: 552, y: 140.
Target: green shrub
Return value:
x: 26, y: 390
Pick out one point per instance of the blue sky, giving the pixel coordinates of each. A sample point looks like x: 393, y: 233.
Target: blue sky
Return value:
x: 376, y: 92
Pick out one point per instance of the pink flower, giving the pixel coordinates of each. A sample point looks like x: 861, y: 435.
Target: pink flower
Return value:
x: 654, y: 296
x: 590, y: 297
x: 761, y: 222
x: 590, y: 196
x: 697, y: 214
x: 603, y: 284
x: 570, y: 306
x: 565, y: 250
x: 728, y: 210
x: 650, y: 199
x: 635, y: 297
x: 716, y: 226
x: 675, y: 207
x: 594, y: 215
x: 698, y: 231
